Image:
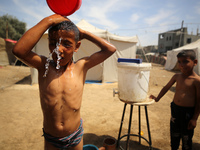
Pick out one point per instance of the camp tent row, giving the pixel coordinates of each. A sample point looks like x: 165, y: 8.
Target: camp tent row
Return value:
x: 106, y: 71
x: 171, y: 62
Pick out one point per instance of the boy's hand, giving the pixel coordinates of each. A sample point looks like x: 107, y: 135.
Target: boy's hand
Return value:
x: 56, y: 18
x: 81, y: 32
x: 192, y: 124
x: 153, y: 97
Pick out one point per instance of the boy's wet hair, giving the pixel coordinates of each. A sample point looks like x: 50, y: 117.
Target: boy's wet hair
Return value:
x: 187, y: 53
x: 67, y: 26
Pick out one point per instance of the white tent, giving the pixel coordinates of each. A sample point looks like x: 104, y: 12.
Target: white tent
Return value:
x: 106, y: 71
x: 172, y: 59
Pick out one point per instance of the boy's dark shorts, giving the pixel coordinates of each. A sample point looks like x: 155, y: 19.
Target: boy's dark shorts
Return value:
x: 180, y: 117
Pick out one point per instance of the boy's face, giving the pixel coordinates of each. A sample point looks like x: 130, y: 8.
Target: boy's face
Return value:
x: 186, y: 65
x: 67, y: 46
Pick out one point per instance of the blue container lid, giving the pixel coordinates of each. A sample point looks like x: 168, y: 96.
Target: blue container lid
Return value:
x: 90, y: 147
x: 128, y: 60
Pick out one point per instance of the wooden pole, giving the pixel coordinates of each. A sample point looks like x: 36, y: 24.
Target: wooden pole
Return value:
x: 6, y: 29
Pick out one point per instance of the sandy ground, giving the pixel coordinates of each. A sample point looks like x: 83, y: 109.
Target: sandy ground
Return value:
x: 21, y: 116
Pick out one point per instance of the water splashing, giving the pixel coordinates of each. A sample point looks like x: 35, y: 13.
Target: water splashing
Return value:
x: 56, y: 50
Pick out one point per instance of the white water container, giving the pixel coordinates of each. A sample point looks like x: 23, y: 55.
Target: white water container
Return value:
x: 133, y: 80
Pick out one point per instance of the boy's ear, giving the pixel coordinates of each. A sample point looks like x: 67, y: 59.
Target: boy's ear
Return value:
x: 78, y: 44
x: 195, y: 62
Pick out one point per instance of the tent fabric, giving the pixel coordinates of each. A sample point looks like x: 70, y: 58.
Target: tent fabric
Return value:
x: 172, y: 59
x: 104, y: 33
x: 41, y: 48
x: 106, y: 71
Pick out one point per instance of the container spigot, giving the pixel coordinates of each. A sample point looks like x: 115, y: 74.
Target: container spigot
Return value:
x: 115, y: 92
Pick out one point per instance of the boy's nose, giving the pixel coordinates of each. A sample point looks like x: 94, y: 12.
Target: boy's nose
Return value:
x: 60, y: 48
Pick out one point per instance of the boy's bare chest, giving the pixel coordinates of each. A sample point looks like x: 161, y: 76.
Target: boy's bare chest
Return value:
x: 61, y: 84
x: 64, y: 85
x: 62, y: 93
x: 185, y: 84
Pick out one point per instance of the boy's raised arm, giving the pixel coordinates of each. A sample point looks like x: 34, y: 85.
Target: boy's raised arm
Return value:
x: 24, y: 46
x: 107, y: 49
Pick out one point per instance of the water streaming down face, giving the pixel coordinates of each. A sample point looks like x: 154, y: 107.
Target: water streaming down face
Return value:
x: 56, y: 50
x: 63, y: 27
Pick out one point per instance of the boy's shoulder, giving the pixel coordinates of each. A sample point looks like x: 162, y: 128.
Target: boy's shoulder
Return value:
x: 193, y: 76
x: 197, y: 79
x: 80, y: 63
x: 177, y: 75
x: 82, y: 60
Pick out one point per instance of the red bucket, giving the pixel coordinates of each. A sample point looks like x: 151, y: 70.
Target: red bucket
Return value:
x: 64, y: 7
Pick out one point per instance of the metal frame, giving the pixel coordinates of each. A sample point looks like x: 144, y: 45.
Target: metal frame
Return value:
x: 129, y: 127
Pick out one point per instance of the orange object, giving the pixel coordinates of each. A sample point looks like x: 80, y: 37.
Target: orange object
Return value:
x: 141, y: 133
x: 64, y: 7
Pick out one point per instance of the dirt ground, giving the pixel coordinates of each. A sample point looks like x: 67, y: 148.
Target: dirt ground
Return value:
x: 21, y: 115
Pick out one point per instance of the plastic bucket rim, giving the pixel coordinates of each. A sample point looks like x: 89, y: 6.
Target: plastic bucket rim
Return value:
x: 90, y: 145
x: 134, y: 66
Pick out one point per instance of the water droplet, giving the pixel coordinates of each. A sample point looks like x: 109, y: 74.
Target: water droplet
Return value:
x: 56, y: 50
x: 47, y: 65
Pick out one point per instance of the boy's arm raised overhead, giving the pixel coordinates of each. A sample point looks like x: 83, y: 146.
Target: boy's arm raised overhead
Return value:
x: 24, y: 46
x: 106, y: 51
x: 164, y: 89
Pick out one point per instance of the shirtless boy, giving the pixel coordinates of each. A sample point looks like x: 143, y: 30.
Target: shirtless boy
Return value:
x: 185, y: 107
x: 61, y: 88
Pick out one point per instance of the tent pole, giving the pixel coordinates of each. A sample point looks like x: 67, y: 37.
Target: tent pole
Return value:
x: 143, y: 51
x: 108, y: 39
